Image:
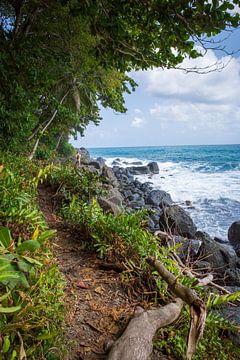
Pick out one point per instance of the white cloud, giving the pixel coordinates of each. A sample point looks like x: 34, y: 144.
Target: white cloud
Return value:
x: 206, y: 103
x: 215, y: 87
x: 138, y: 111
x: 137, y: 122
x: 197, y: 116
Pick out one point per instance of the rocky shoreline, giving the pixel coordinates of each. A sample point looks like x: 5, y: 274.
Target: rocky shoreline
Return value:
x: 196, y: 249
x: 125, y: 193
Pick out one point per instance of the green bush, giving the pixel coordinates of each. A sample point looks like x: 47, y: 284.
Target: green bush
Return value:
x: 31, y: 287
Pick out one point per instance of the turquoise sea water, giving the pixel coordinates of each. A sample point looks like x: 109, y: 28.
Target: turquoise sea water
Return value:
x: 209, y: 176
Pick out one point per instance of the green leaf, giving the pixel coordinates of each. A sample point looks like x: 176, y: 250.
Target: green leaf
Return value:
x: 8, y: 275
x: 8, y: 310
x: 32, y: 261
x: 46, y: 235
x: 5, y: 237
x: 24, y: 266
x: 28, y: 245
x: 5, y: 296
x: 6, y: 344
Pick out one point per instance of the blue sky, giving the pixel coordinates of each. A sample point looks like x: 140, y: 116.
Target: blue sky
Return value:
x: 170, y: 107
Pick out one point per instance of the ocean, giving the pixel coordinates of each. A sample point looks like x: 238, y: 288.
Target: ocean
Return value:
x: 207, y: 175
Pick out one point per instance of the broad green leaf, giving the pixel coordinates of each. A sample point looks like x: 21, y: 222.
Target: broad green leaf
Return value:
x: 46, y: 235
x: 5, y: 237
x: 32, y: 261
x: 6, y: 344
x: 5, y: 296
x: 8, y: 310
x: 8, y: 275
x: 28, y: 245
x: 24, y: 266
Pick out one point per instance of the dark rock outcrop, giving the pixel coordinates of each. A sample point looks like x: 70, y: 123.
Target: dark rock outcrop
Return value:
x: 177, y: 221
x: 153, y: 167
x: 234, y: 236
x: 139, y: 170
x: 158, y: 197
x: 108, y: 206
x: 85, y: 156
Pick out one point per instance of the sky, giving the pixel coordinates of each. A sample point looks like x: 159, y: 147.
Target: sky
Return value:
x: 172, y: 107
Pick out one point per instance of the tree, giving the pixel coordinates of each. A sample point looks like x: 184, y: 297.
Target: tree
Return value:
x: 62, y: 59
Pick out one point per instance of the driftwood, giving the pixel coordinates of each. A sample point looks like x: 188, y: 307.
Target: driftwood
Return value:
x: 197, y: 307
x: 136, y: 341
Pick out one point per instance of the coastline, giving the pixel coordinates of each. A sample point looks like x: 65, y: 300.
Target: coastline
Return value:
x: 195, y: 247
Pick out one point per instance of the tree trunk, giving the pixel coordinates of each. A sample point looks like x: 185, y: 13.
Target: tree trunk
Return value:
x: 46, y: 126
x: 58, y: 141
x: 136, y: 341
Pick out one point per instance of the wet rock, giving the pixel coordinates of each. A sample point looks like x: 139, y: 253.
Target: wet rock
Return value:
x: 101, y: 160
x: 220, y: 256
x: 157, y: 197
x: 139, y: 170
x: 234, y: 236
x: 153, y: 167
x: 176, y: 219
x: 114, y: 162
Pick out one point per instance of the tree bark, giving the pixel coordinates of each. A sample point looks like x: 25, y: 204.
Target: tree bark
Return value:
x: 136, y: 341
x: 46, y: 126
x: 197, y: 307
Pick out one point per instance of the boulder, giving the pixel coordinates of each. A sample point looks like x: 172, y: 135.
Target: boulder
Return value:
x: 234, y: 236
x: 96, y: 164
x: 110, y: 178
x: 115, y: 163
x: 108, y: 206
x: 220, y: 256
x: 101, y: 160
x: 176, y: 220
x: 157, y: 197
x: 153, y: 167
x: 85, y: 156
x: 187, y: 247
x: 139, y: 170
x: 232, y: 314
x: 114, y: 196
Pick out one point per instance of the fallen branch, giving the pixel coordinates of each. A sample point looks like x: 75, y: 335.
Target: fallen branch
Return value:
x: 197, y: 306
x: 136, y: 341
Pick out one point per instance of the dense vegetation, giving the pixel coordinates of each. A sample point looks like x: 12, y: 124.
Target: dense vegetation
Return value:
x: 61, y: 61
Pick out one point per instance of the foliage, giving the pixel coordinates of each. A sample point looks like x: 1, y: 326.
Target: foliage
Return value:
x: 31, y: 288
x: 123, y: 239
x: 213, y: 345
x: 80, y: 182
x: 61, y: 60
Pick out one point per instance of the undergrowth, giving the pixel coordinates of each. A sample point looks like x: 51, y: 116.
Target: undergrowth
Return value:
x: 124, y: 239
x: 31, y: 287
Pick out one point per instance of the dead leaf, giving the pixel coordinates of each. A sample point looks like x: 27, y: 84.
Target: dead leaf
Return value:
x: 99, y: 290
x: 82, y: 285
x: 22, y: 353
x: 88, y: 296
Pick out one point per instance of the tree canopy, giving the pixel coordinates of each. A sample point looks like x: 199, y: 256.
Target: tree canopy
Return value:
x: 61, y: 60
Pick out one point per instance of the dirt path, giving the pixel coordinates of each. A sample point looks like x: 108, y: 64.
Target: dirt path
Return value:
x: 98, y: 307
